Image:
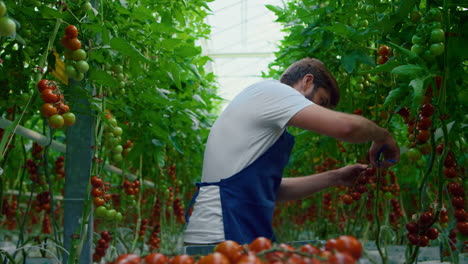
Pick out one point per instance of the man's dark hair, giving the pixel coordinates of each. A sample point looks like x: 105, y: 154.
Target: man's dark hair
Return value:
x: 322, y: 77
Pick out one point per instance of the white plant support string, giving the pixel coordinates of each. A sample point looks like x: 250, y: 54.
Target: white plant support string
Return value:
x: 40, y: 247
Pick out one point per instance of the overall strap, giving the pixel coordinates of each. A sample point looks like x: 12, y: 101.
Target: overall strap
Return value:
x: 194, y: 197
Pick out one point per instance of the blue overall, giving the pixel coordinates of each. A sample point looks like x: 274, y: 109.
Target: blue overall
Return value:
x: 248, y: 197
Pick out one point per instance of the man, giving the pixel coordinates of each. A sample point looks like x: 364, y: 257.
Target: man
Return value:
x: 248, y: 148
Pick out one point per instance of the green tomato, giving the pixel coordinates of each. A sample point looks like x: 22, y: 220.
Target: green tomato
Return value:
x: 79, y: 76
x: 114, y: 141
x: 437, y: 35
x: 110, y: 214
x: 69, y: 118
x: 120, y: 77
x: 117, y: 149
x: 113, y: 121
x: 79, y: 55
x: 117, y: 157
x: 100, y: 211
x: 3, y: 8
x: 7, y: 26
x: 417, y: 49
x: 437, y: 48
x: 417, y: 40
x: 434, y: 14
x: 118, y: 217
x: 82, y: 66
x: 70, y: 71
x: 86, y: 6
x: 117, y: 131
x: 388, y: 196
x: 122, y: 84
x: 118, y: 69
x: 413, y: 154
x: 415, y: 16
x: 56, y: 121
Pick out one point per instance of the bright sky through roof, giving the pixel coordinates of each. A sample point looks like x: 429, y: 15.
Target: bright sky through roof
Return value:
x: 243, y: 39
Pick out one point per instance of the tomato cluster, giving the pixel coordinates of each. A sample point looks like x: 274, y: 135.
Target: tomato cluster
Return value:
x: 420, y: 232
x: 384, y: 52
x: 144, y: 223
x: 117, y: 72
x: 456, y: 190
x: 46, y: 225
x: 7, y: 25
x: 113, y: 138
x: 59, y: 171
x: 154, y: 239
x: 344, y: 249
x: 54, y: 108
x: 9, y: 210
x: 102, y: 245
x: 75, y: 56
x: 100, y: 198
x: 429, y: 41
x: 178, y: 210
x: 131, y: 188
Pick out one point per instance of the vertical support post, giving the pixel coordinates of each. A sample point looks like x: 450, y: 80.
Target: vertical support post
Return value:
x: 79, y: 156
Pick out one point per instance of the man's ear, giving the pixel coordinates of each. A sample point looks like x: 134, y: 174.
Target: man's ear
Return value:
x: 308, y: 79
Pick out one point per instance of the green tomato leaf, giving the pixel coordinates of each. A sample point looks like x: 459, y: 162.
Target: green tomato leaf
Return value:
x: 48, y: 12
x: 409, y: 70
x: 102, y: 77
x: 393, y: 96
x: 418, y: 93
x: 387, y: 67
x: 341, y: 29
x: 124, y: 47
x: 349, y: 60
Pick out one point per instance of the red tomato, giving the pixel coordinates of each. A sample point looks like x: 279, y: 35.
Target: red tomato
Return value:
x: 424, y: 123
x: 341, y: 258
x: 128, y: 259
x: 182, y: 259
x: 214, y: 258
x: 427, y: 110
x: 46, y: 84
x: 350, y: 245
x: 331, y: 244
x: 48, y: 96
x: 423, y: 241
x: 432, y: 233
x: 71, y: 31
x: 384, y: 51
x: 423, y: 136
x: 249, y: 259
x: 347, y: 199
x: 231, y: 249
x: 62, y: 108
x: 382, y: 59
x: 463, y: 228
x: 260, y: 244
x: 48, y: 110
x: 309, y: 249
x: 455, y: 189
x: 155, y: 258
x: 74, y: 44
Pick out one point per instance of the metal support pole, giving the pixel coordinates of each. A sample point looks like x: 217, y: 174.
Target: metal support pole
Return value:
x: 79, y: 156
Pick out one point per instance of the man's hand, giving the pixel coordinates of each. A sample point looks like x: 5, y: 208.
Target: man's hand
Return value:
x: 389, y: 150
x: 348, y: 174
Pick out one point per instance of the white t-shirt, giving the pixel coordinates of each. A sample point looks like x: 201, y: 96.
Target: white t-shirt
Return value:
x: 249, y: 125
